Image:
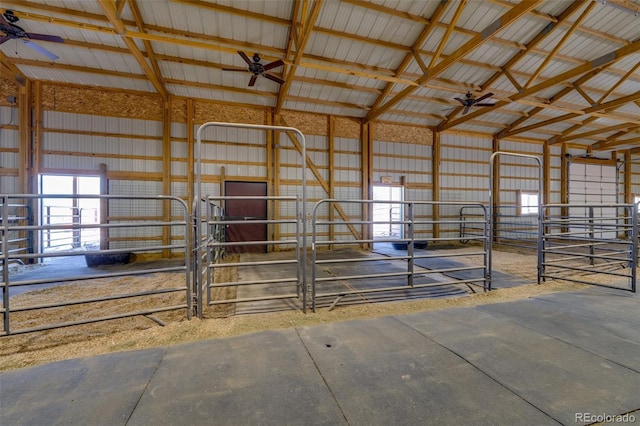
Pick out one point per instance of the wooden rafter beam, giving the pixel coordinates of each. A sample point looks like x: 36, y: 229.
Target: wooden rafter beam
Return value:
x: 447, y: 34
x: 567, y: 138
x: 16, y: 75
x: 110, y: 11
x: 417, y: 44
x: 616, y: 144
x: 607, y: 105
x: 559, y: 45
x: 308, y: 22
x: 596, y: 67
x: 504, y: 21
x: 133, y: 4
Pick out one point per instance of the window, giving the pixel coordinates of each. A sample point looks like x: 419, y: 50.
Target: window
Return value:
x: 528, y: 203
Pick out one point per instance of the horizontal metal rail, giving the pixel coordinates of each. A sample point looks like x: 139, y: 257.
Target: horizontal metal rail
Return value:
x: 412, y: 226
x: 599, y: 242
x: 217, y: 246
x: 142, y: 205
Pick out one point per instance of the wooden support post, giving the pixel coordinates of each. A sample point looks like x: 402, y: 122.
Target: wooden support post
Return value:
x: 435, y: 181
x: 496, y: 188
x: 272, y: 205
x: 104, y: 207
x: 628, y: 195
x: 275, y: 176
x: 564, y: 183
x: 366, y: 152
x: 331, y: 123
x: 25, y: 150
x: 37, y: 156
x: 546, y: 174
x: 24, y: 134
x: 166, y: 174
x: 190, y: 152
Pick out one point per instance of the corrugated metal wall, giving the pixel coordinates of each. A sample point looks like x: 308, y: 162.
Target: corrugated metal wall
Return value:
x: 131, y: 149
x: 8, y: 149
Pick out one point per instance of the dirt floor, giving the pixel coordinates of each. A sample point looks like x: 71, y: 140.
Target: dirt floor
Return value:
x: 140, y: 331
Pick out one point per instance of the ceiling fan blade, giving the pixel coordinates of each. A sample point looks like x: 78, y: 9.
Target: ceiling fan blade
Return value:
x: 252, y: 82
x: 461, y: 101
x: 235, y: 69
x: 273, y: 78
x: 466, y: 109
x: 45, y: 37
x: 40, y: 49
x: 3, y: 39
x: 245, y: 57
x: 484, y: 104
x: 273, y: 64
x: 483, y: 97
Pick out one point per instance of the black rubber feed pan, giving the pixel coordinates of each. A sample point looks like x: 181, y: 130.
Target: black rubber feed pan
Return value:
x: 108, y: 259
x: 402, y: 245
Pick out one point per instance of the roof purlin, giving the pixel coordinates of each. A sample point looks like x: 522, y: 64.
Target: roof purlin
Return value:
x: 504, y: 21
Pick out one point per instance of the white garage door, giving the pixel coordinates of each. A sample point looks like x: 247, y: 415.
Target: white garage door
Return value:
x: 594, y: 184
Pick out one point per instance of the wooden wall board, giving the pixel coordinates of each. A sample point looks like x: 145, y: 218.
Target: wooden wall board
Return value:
x: 217, y: 111
x: 308, y: 123
x: 7, y: 88
x: 86, y: 100
x: 347, y: 127
x: 403, y: 133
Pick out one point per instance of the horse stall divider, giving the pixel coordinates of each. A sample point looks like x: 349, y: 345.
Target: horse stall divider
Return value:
x: 203, y: 279
x: 129, y: 247
x: 594, y: 244
x: 353, y: 284
x: 494, y: 225
x: 217, y: 258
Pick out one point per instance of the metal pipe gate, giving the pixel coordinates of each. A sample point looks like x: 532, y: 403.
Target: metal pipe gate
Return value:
x: 113, y: 226
x: 413, y: 235
x: 592, y: 244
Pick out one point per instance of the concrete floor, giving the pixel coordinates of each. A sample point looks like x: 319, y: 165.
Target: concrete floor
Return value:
x: 553, y: 359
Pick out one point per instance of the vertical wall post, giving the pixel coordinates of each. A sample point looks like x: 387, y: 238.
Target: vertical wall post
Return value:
x: 366, y: 152
x: 104, y: 208
x: 190, y: 155
x: 495, y: 182
x: 435, y: 182
x: 166, y: 174
x: 332, y: 182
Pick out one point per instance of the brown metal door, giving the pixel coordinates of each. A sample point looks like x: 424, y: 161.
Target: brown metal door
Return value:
x: 246, y: 210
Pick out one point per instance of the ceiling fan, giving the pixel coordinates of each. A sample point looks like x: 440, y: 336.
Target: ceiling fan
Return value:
x: 12, y: 31
x: 257, y: 68
x: 468, y: 101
